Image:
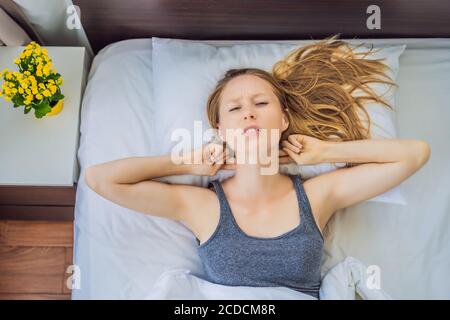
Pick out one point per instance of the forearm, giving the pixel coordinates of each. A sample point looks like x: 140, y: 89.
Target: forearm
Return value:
x: 383, y: 150
x: 136, y: 169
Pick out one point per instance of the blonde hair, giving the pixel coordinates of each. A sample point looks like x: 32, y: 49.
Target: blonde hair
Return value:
x: 317, y: 84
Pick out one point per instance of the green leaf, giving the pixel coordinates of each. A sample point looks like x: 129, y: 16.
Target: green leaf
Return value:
x: 18, y: 99
x: 42, y: 111
x: 26, y: 110
x: 14, y: 101
x: 57, y: 96
x: 53, y: 76
x: 37, y: 114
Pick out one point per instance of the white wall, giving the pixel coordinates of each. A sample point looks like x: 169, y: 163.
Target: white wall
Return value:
x: 50, y: 19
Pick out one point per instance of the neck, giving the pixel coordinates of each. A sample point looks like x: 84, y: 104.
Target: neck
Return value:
x: 253, y: 180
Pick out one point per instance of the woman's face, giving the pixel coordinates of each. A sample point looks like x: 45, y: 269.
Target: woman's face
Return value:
x: 250, y: 111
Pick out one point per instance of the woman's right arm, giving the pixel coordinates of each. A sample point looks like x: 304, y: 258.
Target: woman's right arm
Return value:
x: 128, y: 183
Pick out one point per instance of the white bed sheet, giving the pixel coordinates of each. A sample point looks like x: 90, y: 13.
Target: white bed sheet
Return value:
x: 120, y: 253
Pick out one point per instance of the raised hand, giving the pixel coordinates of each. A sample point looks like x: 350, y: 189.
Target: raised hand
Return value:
x: 301, y: 149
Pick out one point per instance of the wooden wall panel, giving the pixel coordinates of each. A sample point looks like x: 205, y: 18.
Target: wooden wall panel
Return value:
x: 107, y: 21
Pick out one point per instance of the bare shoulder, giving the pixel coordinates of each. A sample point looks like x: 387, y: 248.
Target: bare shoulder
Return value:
x: 201, y: 209
x: 317, y: 191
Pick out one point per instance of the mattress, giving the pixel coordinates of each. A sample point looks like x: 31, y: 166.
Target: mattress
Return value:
x: 120, y: 253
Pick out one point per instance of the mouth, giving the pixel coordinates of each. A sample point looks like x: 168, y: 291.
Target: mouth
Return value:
x: 251, y: 131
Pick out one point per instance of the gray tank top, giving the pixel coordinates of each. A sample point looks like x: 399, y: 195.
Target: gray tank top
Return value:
x: 292, y: 259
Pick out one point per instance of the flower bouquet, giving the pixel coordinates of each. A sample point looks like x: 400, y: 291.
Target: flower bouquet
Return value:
x: 36, y: 85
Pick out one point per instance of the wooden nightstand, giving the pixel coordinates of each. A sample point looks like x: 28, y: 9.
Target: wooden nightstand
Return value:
x: 38, y: 157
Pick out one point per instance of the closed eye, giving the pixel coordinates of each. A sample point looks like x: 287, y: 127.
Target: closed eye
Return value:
x: 258, y: 104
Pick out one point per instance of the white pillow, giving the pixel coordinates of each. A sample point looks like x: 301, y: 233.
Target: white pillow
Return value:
x: 186, y: 72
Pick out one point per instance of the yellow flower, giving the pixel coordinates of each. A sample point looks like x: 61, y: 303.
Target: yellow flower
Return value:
x: 26, y: 83
x: 46, y: 71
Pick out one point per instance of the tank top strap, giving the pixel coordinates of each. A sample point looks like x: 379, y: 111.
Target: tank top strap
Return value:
x: 218, y: 189
x: 225, y: 210
x: 305, y: 207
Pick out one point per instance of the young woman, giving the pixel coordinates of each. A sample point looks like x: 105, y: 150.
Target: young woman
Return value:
x: 259, y: 229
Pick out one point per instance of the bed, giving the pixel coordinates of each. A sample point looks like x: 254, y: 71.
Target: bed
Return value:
x: 121, y: 253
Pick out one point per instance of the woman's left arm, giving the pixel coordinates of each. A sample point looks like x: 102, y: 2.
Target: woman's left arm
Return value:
x: 384, y: 164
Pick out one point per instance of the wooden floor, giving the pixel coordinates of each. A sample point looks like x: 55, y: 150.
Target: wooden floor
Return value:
x: 34, y: 256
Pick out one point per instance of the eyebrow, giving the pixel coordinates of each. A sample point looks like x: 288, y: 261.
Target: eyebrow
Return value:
x: 238, y: 99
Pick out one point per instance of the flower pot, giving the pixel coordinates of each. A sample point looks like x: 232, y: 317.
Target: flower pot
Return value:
x: 56, y: 108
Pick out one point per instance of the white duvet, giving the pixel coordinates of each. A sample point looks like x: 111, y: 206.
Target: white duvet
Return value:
x: 342, y: 282
x: 123, y: 254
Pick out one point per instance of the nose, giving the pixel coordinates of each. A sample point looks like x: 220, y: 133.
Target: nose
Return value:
x: 249, y: 114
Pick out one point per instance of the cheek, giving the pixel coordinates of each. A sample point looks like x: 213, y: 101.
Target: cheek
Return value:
x: 275, y: 118
x: 229, y: 120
